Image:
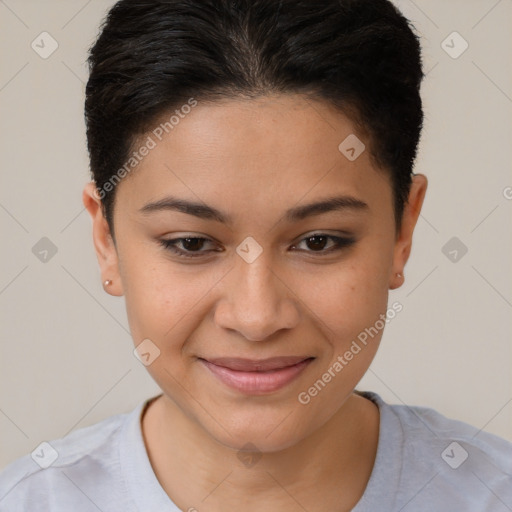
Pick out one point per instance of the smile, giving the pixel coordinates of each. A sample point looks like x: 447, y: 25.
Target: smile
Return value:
x: 257, y: 376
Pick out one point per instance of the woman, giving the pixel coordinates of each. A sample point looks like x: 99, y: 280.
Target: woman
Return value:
x: 254, y: 202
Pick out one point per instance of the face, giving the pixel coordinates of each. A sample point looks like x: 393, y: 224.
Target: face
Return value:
x: 254, y: 295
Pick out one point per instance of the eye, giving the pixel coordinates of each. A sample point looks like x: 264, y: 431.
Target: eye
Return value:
x: 192, y: 246
x: 318, y: 242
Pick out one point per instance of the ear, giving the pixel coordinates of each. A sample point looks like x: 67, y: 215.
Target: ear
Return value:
x: 106, y: 251
x: 403, y: 242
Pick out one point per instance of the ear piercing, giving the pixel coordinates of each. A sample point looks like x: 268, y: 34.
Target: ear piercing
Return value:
x: 108, y: 282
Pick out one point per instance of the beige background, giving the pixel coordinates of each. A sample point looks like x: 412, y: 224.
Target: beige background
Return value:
x: 67, y: 359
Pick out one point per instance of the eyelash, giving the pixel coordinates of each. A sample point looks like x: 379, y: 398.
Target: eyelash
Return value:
x: 170, y: 245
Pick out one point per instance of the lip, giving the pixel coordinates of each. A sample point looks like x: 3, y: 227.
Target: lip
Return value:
x: 257, y: 376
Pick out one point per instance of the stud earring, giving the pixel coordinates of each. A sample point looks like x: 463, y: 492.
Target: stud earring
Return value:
x: 398, y: 274
x: 107, y: 282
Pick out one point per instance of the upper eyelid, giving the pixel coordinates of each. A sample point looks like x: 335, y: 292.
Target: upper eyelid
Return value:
x: 338, y: 233
x: 300, y: 239
x: 336, y: 238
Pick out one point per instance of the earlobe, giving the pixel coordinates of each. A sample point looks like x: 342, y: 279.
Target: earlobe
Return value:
x: 403, y: 244
x: 104, y: 246
x: 396, y: 281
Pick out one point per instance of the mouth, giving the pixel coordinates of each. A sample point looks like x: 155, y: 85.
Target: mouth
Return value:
x: 257, y: 376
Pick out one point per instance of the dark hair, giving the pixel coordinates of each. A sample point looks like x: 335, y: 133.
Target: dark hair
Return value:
x: 151, y: 56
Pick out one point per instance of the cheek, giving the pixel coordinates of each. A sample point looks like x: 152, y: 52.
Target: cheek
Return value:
x: 346, y: 300
x: 163, y: 299
x: 348, y: 305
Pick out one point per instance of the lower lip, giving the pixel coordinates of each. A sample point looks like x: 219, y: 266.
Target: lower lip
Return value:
x: 257, y: 382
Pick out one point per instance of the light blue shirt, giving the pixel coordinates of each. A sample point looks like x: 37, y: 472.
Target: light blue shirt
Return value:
x: 425, y: 463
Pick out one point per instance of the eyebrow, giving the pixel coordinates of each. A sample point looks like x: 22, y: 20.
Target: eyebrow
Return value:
x: 203, y: 211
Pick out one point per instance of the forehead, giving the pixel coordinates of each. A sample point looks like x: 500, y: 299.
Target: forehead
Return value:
x: 255, y: 155
x: 281, y: 126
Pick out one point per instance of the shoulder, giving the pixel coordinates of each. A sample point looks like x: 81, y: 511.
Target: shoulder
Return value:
x: 86, y: 458
x: 429, y: 429
x: 445, y: 462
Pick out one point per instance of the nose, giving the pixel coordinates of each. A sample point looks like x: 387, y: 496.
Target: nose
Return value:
x: 257, y: 301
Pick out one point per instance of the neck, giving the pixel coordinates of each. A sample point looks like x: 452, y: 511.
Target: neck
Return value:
x: 331, y: 467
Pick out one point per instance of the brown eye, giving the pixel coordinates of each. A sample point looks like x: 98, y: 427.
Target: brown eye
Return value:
x: 190, y: 246
x: 317, y: 243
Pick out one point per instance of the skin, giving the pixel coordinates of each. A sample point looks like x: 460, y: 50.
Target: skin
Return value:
x: 254, y: 159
